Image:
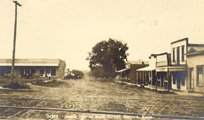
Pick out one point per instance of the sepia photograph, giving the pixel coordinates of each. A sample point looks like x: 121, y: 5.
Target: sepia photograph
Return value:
x: 102, y: 59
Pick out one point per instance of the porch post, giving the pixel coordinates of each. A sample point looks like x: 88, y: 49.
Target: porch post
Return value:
x: 150, y: 72
x: 168, y: 77
x: 156, y: 79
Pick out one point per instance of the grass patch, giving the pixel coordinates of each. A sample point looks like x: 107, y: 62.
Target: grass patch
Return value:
x: 6, y: 81
x: 16, y: 85
x: 48, y: 83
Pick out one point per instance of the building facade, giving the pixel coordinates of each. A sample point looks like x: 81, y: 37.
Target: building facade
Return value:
x: 163, y: 63
x: 195, y: 58
x: 150, y: 70
x: 178, y: 60
x: 34, y: 67
x: 158, y: 70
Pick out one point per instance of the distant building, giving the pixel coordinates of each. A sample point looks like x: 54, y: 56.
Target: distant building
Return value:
x: 34, y: 67
x: 195, y: 58
x: 129, y: 73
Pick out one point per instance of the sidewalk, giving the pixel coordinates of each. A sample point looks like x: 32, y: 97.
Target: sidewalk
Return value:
x: 162, y: 89
x: 179, y: 92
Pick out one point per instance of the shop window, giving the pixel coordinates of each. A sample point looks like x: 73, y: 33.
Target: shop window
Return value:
x: 200, y: 76
x: 41, y: 72
x: 53, y: 72
x: 32, y: 71
x: 183, y: 74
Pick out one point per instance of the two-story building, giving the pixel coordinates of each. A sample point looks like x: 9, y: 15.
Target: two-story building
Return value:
x: 178, y: 60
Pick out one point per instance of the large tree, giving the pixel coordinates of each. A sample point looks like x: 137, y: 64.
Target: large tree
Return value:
x: 106, y: 57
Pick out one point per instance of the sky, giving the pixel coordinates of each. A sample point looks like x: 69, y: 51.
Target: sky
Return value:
x: 68, y: 29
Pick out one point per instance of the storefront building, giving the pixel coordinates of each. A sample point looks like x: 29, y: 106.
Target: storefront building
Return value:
x: 33, y: 67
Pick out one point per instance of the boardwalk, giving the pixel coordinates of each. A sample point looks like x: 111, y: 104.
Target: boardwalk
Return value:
x: 96, y: 99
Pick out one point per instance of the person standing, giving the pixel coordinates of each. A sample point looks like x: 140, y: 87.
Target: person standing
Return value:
x: 49, y: 75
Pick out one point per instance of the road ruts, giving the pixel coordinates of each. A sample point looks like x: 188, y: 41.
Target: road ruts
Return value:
x: 96, y: 99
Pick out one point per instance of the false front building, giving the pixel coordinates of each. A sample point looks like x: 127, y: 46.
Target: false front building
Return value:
x: 34, y: 67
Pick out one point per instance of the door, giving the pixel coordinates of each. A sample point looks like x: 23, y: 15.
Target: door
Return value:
x: 191, y: 78
x: 178, y: 55
x: 153, y: 77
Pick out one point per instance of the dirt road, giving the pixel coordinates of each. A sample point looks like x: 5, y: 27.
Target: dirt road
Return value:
x: 91, y: 98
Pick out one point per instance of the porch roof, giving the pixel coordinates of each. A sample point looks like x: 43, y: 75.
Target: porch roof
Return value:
x: 30, y: 62
x: 21, y: 64
x: 148, y: 68
x: 171, y: 68
x: 122, y: 70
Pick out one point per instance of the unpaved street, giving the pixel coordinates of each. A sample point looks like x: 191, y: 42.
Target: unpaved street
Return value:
x: 91, y: 98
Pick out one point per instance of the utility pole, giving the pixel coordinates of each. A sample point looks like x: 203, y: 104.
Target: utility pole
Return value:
x: 14, y: 40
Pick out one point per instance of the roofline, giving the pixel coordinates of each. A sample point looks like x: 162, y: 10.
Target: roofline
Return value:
x: 180, y: 40
x: 33, y: 65
x: 29, y: 59
x: 196, y: 45
x: 160, y: 54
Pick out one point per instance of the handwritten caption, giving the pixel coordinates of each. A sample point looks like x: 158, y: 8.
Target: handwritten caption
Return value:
x: 55, y: 116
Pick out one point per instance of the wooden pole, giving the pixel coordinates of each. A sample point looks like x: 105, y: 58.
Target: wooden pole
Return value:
x: 156, y: 79
x: 14, y: 40
x: 168, y: 77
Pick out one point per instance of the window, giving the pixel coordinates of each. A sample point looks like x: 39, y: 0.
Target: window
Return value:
x: 150, y: 74
x: 41, y: 72
x: 53, y: 72
x: 173, y: 54
x: 200, y: 76
x: 178, y: 56
x: 32, y: 71
x: 182, y: 50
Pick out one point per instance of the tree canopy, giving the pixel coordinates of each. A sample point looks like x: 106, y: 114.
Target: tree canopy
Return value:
x: 106, y: 57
